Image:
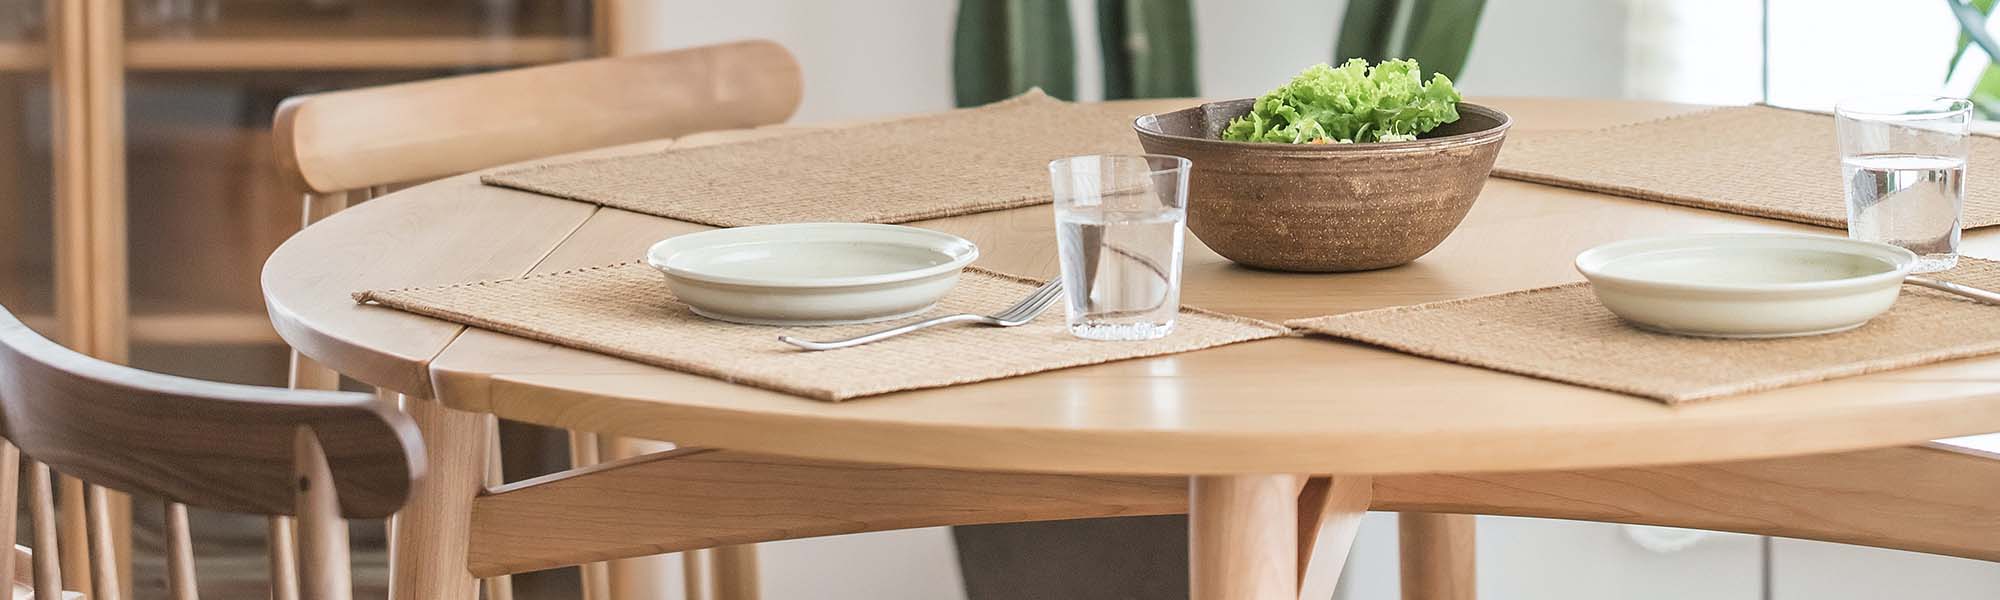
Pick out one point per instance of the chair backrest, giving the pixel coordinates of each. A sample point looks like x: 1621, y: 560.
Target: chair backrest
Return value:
x: 318, y: 455
x: 361, y: 138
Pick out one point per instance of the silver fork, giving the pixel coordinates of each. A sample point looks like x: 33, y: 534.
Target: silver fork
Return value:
x: 1019, y: 314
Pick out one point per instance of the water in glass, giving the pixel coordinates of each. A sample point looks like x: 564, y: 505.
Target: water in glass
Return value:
x: 1119, y: 224
x: 1121, y: 271
x: 1908, y: 200
x: 1902, y: 160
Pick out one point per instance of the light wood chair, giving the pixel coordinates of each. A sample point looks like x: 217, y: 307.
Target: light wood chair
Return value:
x: 347, y: 146
x: 319, y: 456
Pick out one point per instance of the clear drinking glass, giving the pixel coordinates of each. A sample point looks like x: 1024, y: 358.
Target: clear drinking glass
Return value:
x: 1903, y: 161
x: 1119, y: 224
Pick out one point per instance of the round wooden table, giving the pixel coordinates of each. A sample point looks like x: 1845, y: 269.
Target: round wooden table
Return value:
x: 1248, y: 421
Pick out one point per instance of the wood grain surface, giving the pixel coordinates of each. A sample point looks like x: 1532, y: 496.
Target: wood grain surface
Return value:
x: 1285, y: 405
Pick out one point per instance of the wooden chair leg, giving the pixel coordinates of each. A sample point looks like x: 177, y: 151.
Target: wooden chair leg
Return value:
x: 103, y: 551
x: 48, y: 550
x: 502, y: 587
x: 1438, y: 556
x: 73, y: 520
x: 322, y: 534
x: 726, y: 573
x: 1243, y: 537
x: 583, y: 452
x: 307, y: 374
x: 121, y: 539
x: 433, y: 530
x: 283, y: 557
x: 642, y: 578
x: 180, y: 554
x: 10, y: 488
x: 1335, y: 505
x: 320, y: 206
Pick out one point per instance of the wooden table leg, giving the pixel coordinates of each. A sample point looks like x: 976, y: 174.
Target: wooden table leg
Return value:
x: 500, y: 587
x: 1243, y: 537
x: 735, y: 573
x: 1438, y: 556
x: 1335, y: 505
x: 433, y: 529
x: 694, y: 574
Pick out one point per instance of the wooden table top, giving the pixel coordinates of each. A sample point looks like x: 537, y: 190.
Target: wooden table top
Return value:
x: 1283, y: 405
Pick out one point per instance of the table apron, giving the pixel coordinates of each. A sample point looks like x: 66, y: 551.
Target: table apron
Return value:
x: 694, y: 498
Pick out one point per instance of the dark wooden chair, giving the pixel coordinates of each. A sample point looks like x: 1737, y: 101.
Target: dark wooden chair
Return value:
x: 320, y: 457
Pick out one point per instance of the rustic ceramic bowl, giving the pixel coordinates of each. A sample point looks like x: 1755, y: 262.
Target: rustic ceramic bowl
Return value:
x: 1326, y: 207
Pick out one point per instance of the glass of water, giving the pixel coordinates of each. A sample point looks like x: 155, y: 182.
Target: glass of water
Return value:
x: 1119, y: 224
x: 1903, y: 160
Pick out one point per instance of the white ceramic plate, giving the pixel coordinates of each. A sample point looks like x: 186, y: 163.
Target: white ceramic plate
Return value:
x: 1755, y: 285
x: 812, y: 273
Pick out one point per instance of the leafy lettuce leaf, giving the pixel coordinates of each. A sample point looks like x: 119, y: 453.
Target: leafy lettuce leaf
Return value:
x: 1353, y: 102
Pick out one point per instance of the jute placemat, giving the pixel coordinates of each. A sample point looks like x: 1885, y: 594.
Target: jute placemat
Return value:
x: 625, y: 310
x: 1562, y: 333
x: 1752, y: 160
x: 966, y: 161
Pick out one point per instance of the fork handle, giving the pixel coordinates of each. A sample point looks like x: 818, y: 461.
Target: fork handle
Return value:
x: 879, y: 335
x: 1981, y: 295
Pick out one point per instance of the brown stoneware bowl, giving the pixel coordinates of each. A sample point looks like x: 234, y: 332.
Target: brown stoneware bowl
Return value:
x: 1326, y: 207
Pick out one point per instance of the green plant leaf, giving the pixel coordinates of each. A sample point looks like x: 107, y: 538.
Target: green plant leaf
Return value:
x: 1437, y: 33
x: 1148, y: 48
x: 1985, y: 8
x: 1440, y: 36
x: 1985, y: 94
x: 1001, y: 48
x: 1365, y: 31
x: 1973, y: 25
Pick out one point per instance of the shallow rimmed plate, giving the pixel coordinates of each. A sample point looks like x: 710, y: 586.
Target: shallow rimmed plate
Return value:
x: 1754, y: 285
x: 811, y: 273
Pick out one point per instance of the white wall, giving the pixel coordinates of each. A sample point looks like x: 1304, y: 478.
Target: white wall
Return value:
x: 1570, y: 48
x: 870, y: 58
x: 1825, y: 50
x: 862, y: 58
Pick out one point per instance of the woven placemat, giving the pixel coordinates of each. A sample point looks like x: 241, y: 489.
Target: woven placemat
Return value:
x: 625, y: 310
x: 1752, y: 160
x: 966, y: 161
x: 1562, y: 333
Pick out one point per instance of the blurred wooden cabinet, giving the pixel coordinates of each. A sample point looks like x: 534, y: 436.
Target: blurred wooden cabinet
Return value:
x: 138, y: 191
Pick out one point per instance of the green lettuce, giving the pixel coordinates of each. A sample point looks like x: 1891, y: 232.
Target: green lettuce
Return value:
x: 1354, y: 102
